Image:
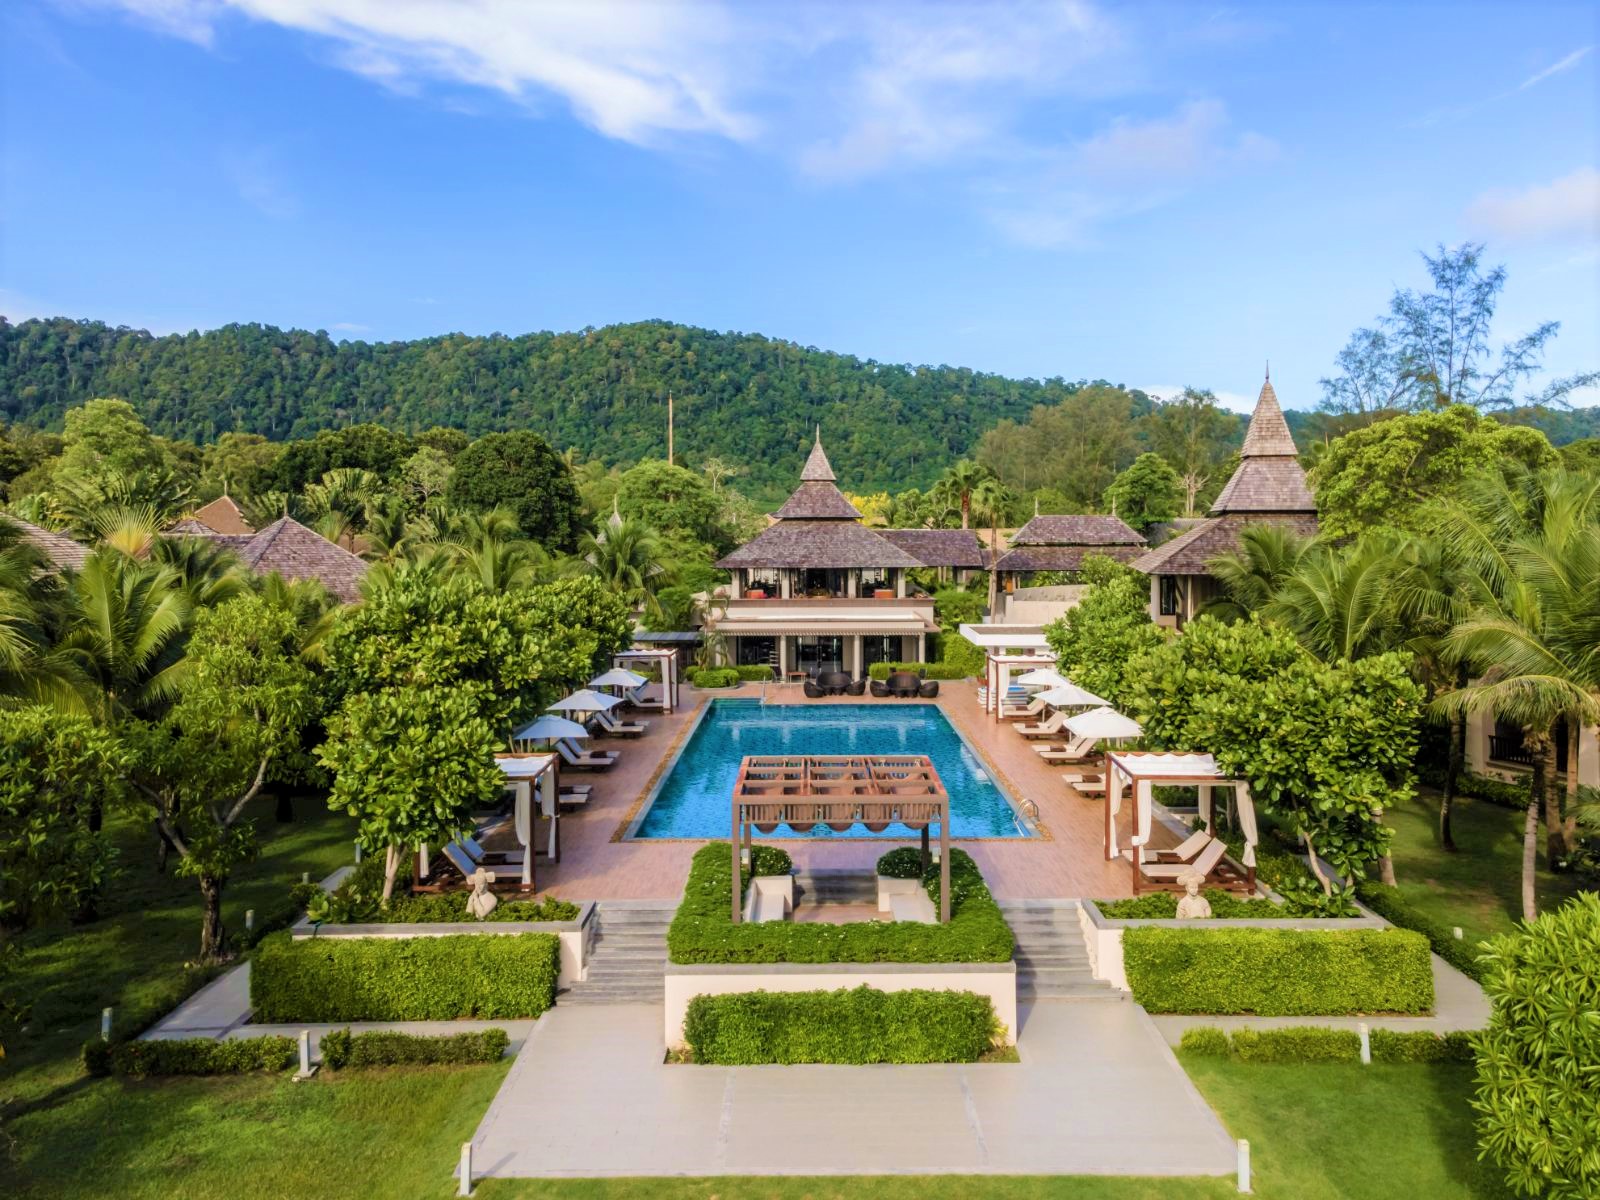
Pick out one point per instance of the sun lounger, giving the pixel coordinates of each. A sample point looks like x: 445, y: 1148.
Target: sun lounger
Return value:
x: 1076, y: 750
x: 638, y: 699
x: 1193, y: 845
x: 1085, y: 785
x: 1014, y: 712
x: 488, y: 858
x: 1049, y: 727
x: 1204, y: 863
x: 620, y: 728
x: 594, y: 761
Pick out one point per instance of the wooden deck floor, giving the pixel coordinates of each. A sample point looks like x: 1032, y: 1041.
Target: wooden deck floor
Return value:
x: 1068, y: 862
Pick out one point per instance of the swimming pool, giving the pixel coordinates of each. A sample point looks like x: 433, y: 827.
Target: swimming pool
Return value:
x: 692, y: 801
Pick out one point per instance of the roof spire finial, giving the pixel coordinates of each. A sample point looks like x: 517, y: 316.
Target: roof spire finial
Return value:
x: 1269, y: 370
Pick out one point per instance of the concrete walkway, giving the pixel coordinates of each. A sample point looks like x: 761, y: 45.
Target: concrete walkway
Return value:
x: 215, y: 1011
x: 1097, y: 1092
x: 1458, y: 1004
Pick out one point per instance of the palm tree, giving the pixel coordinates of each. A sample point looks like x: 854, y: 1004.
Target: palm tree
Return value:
x: 626, y: 554
x: 992, y: 500
x: 1531, y: 541
x: 1252, y: 575
x: 1337, y: 599
x: 490, y: 547
x: 208, y: 572
x: 31, y: 669
x: 959, y: 482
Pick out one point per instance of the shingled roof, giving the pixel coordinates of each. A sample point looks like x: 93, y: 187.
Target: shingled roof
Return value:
x: 1188, y: 553
x: 938, y: 547
x: 1077, y: 530
x: 1059, y: 558
x: 817, y: 500
x: 222, y: 515
x: 817, y: 469
x: 289, y: 549
x: 797, y: 543
x: 1268, y: 486
x: 62, y: 552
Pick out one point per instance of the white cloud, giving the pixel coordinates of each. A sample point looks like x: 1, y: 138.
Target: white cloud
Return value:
x: 1131, y: 166
x: 1565, y: 208
x: 260, y: 182
x: 350, y: 327
x: 1232, y: 401
x: 1556, y: 68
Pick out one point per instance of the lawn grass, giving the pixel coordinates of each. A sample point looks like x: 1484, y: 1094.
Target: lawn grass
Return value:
x: 1328, y: 1132
x: 149, y: 927
x: 1479, y: 886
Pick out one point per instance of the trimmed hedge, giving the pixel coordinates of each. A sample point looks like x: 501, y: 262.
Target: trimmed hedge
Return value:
x: 1387, y: 902
x: 1161, y: 906
x: 860, y: 1025
x: 928, y: 670
x: 1482, y: 787
x: 715, y: 677
x: 190, y: 1056
x: 1279, y: 972
x: 495, y: 976
x: 903, y: 862
x: 384, y: 1048
x: 1308, y: 1043
x: 452, y: 906
x: 703, y: 932
x: 756, y: 673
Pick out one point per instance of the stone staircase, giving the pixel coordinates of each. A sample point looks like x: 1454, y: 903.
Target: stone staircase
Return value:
x: 1052, y: 961
x: 628, y: 957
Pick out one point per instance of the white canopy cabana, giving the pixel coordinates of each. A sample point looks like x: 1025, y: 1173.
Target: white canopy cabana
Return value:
x: 524, y: 773
x: 1145, y: 770
x: 655, y: 660
x: 998, y: 671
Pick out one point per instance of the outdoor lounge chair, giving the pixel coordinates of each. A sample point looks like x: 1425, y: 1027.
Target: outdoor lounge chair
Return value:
x: 1076, y: 750
x: 813, y: 690
x: 1191, y: 846
x: 1085, y: 784
x: 620, y: 728
x: 834, y: 683
x: 929, y: 689
x: 461, y: 863
x: 857, y: 688
x: 487, y: 858
x: 1013, y: 712
x: 580, y: 761
x: 638, y: 699
x: 1204, y: 863
x: 879, y: 688
x: 903, y: 684
x: 1049, y: 727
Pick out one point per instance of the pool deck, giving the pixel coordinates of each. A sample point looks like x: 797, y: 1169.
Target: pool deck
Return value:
x: 597, y: 865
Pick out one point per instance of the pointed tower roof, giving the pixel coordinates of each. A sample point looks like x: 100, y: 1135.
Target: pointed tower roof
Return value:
x: 817, y: 469
x: 1269, y: 478
x: 1268, y: 434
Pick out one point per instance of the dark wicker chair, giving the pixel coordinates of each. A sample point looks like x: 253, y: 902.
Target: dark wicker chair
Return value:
x: 834, y: 683
x: 904, y: 684
x: 880, y: 689
x: 858, y: 688
x: 813, y: 691
x: 929, y: 689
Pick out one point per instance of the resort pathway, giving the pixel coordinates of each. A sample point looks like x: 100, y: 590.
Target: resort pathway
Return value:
x: 1097, y: 1092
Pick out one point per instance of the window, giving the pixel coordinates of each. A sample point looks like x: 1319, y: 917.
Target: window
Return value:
x: 875, y: 649
x: 757, y: 651
x: 1168, y: 594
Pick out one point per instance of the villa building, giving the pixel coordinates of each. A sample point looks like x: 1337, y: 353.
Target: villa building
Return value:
x: 1059, y: 544
x: 1269, y: 487
x: 818, y: 589
x: 285, y: 548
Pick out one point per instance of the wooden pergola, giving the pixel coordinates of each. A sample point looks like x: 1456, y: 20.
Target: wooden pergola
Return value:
x: 803, y: 791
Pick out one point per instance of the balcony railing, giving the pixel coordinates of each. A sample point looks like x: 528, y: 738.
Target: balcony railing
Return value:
x: 1509, y: 748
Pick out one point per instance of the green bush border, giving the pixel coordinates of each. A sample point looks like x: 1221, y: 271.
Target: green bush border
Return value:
x: 927, y: 670
x: 1163, y: 906
x: 1388, y: 903
x: 492, y: 976
x: 190, y: 1056
x: 850, y: 1025
x: 391, y: 1048
x: 1315, y: 1043
x: 1278, y: 972
x: 703, y: 932
x: 715, y: 677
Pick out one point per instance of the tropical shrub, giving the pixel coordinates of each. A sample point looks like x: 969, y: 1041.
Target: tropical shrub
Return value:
x: 1537, y: 1097
x: 770, y: 860
x: 703, y: 931
x: 755, y: 673
x: 190, y: 1056
x: 1161, y: 906
x: 903, y: 862
x: 507, y: 976
x: 1097, y: 639
x: 390, y: 1048
x: 861, y: 1025
x: 452, y: 906
x: 715, y: 677
x: 1278, y: 972
x: 928, y: 670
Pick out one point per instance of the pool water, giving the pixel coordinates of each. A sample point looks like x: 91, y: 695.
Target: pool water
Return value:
x: 695, y: 798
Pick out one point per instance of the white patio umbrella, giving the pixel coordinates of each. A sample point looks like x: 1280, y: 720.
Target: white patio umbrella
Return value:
x: 549, y: 729
x: 1043, y: 677
x: 618, y: 677
x: 1104, y: 722
x: 585, y: 700
x: 1069, y: 695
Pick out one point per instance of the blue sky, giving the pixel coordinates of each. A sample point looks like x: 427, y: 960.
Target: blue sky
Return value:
x: 1152, y: 194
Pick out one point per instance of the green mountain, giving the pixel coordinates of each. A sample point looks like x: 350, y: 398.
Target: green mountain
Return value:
x: 747, y: 399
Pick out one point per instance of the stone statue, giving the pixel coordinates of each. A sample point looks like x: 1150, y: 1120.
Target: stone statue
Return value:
x: 1193, y: 906
x: 482, y: 902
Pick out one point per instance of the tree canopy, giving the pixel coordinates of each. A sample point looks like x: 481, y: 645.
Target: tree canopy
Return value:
x: 520, y: 472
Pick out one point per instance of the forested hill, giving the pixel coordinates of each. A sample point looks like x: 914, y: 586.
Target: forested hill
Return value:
x: 746, y: 399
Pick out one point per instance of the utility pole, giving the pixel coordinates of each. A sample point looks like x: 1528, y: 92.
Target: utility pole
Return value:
x: 669, y: 429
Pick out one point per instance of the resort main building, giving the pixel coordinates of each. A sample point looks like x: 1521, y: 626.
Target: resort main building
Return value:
x: 818, y: 589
